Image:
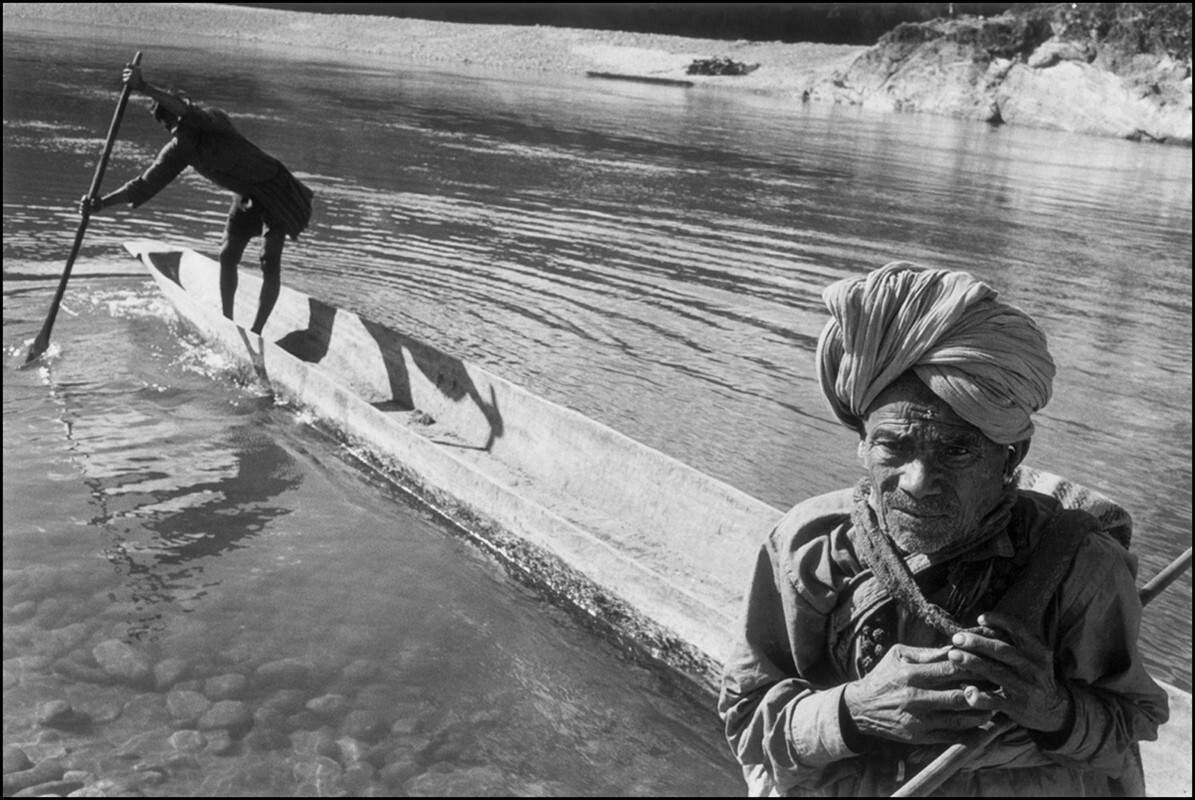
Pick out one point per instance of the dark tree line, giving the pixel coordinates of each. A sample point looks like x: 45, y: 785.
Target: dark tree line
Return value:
x: 1132, y: 27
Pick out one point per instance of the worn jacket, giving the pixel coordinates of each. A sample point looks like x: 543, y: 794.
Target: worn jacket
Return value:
x: 206, y: 139
x: 782, y: 685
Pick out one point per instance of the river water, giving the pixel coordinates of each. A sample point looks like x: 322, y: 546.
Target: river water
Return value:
x: 178, y: 546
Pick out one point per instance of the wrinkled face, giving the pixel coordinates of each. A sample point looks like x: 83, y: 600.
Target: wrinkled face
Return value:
x: 934, y: 475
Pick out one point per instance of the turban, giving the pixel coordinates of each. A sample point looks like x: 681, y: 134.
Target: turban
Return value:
x: 985, y: 359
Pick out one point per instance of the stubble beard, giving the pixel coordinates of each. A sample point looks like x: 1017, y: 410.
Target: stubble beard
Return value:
x: 925, y: 527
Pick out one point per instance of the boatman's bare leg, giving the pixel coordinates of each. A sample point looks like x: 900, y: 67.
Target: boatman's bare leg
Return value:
x: 271, y: 276
x: 231, y: 250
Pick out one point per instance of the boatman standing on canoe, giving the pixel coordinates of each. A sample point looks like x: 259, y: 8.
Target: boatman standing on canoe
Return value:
x: 884, y: 621
x: 267, y: 197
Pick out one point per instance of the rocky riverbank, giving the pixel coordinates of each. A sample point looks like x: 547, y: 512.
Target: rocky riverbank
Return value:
x: 1019, y: 71
x: 999, y: 70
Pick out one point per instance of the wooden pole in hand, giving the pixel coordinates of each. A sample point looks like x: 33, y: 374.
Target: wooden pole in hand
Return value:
x: 43, y: 339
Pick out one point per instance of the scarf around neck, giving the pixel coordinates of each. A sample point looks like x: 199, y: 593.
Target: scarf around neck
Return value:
x: 968, y: 579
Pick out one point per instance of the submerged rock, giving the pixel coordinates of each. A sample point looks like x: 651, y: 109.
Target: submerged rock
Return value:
x: 360, y: 671
x: 304, y: 721
x: 186, y: 706
x: 59, y: 641
x: 268, y: 718
x: 44, y: 772
x: 186, y: 741
x: 470, y: 782
x: 101, y: 709
x: 225, y: 687
x: 260, y: 740
x: 230, y: 715
x: 357, y: 778
x: 21, y: 611
x: 398, y: 772
x: 318, y: 778
x: 51, y: 712
x: 60, y: 714
x: 351, y: 750
x: 320, y: 743
x: 15, y: 759
x: 25, y: 664
x: 68, y: 667
x: 122, y: 661
x: 286, y: 673
x: 168, y: 672
x: 219, y: 743
x: 180, y: 762
x: 366, y: 725
x: 328, y: 705
x: 286, y: 701
x: 51, y: 789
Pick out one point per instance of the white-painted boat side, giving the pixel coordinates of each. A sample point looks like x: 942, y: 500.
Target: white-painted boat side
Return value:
x: 653, y: 549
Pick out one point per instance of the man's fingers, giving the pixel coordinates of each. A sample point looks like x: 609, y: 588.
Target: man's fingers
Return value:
x: 920, y: 655
x: 982, y: 645
x: 953, y: 701
x: 938, y: 675
x: 970, y: 650
x: 1017, y: 630
x: 987, y: 669
x: 982, y: 700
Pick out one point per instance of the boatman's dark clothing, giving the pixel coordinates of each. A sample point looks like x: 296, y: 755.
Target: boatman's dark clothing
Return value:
x: 816, y: 618
x: 206, y: 139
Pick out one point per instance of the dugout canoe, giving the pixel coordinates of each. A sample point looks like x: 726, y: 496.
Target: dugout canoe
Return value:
x: 600, y: 520
x: 619, y: 76
x: 653, y: 551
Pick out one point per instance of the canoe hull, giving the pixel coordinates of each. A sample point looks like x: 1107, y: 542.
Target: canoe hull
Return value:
x: 607, y: 523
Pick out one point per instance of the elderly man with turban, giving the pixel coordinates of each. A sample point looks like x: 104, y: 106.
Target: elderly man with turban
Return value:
x: 885, y: 621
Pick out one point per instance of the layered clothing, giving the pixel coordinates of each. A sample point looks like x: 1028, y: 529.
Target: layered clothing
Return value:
x: 817, y: 616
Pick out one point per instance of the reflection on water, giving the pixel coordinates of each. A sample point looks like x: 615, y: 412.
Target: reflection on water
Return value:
x: 167, y: 513
x: 229, y: 607
x: 651, y: 257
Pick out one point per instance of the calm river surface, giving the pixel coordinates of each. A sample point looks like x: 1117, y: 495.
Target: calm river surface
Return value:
x: 650, y: 256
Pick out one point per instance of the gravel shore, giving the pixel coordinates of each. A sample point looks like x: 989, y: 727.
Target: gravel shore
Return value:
x: 786, y: 69
x: 947, y: 71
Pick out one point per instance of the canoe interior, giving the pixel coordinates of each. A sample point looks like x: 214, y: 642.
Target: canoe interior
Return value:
x: 605, y: 505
